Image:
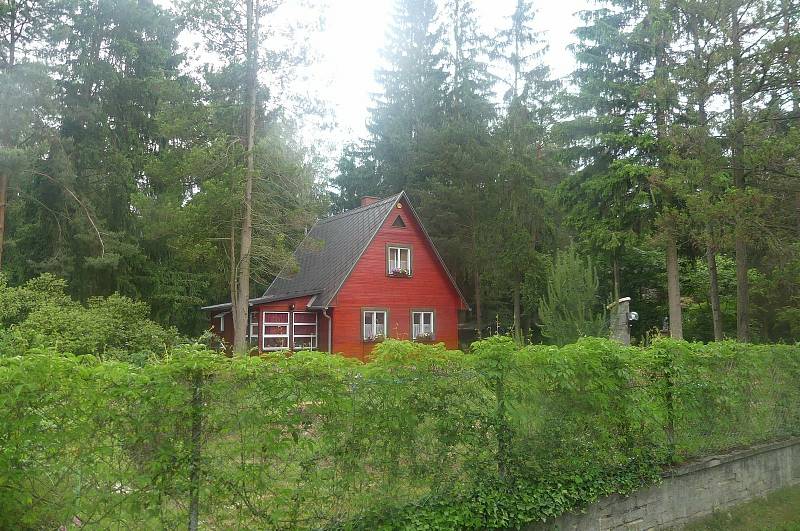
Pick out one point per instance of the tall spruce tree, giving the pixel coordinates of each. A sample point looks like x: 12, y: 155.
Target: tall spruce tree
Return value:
x: 25, y: 90
x: 609, y: 143
x: 458, y: 204
x: 697, y: 156
x: 407, y: 113
x: 116, y: 65
x: 658, y: 28
x: 527, y: 167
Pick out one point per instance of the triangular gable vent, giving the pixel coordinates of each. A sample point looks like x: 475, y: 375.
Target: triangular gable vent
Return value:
x: 398, y: 222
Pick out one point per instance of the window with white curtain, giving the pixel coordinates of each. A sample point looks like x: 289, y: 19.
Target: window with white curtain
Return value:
x: 422, y: 325
x: 374, y: 322
x: 399, y: 261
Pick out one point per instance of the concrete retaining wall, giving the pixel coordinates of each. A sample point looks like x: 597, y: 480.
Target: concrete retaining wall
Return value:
x: 693, y: 490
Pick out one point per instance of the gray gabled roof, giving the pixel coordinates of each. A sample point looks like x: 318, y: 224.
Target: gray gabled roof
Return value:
x: 329, y: 252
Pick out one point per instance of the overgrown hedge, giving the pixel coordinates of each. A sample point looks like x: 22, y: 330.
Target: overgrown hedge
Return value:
x: 420, y: 438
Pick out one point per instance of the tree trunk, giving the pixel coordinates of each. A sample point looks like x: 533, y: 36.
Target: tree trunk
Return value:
x: 12, y: 44
x: 12, y: 37
x: 241, y: 306
x: 661, y: 109
x: 674, y: 289
x: 517, y: 320
x: 457, y: 51
x: 713, y: 289
x: 194, y: 462
x: 737, y: 155
x: 791, y: 56
x: 615, y: 270
x: 478, y: 309
x: 3, y: 199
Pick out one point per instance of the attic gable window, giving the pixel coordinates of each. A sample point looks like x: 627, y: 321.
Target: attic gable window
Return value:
x: 399, y: 223
x: 399, y: 261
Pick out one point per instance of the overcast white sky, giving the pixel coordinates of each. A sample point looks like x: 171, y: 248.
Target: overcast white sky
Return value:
x: 346, y: 52
x: 354, y: 33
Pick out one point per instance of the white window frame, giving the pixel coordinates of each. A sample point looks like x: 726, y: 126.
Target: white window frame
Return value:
x: 371, y: 334
x: 252, y: 329
x: 397, y: 250
x: 265, y: 336
x: 222, y: 323
x: 416, y: 332
x: 313, y: 337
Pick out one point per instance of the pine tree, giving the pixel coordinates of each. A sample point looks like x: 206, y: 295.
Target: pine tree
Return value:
x: 115, y: 65
x: 745, y: 30
x: 24, y: 90
x: 698, y: 156
x: 570, y: 308
x: 255, y: 236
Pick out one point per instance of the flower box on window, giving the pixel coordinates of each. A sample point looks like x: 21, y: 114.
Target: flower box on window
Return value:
x: 399, y: 273
x: 424, y: 336
x: 374, y: 339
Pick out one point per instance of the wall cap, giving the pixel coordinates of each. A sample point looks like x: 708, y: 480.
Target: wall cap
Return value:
x: 721, y: 459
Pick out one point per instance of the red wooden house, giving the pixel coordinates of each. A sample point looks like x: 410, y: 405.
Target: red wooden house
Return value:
x: 363, y: 275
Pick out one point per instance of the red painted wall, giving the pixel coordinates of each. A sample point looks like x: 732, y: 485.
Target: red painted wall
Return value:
x: 428, y: 288
x: 369, y: 286
x: 227, y: 334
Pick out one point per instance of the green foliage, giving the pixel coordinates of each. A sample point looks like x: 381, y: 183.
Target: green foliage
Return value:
x: 570, y: 309
x: 124, y: 161
x: 41, y: 314
x: 419, y: 438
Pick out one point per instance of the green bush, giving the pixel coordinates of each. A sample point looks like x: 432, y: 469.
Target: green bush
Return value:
x: 40, y: 314
x: 419, y: 438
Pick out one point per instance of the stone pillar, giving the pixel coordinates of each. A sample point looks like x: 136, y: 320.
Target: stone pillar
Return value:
x: 619, y: 318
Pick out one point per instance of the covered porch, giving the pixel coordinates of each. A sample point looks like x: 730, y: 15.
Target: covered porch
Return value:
x: 275, y: 326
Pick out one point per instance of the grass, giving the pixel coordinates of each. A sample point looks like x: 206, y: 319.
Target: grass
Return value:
x: 780, y: 511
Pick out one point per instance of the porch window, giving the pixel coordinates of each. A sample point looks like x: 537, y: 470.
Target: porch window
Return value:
x: 253, y: 330
x: 422, y: 325
x: 399, y: 263
x: 276, y: 331
x: 304, y: 331
x: 374, y: 325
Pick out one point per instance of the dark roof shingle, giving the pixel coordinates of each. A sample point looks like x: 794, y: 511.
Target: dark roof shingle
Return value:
x: 329, y: 252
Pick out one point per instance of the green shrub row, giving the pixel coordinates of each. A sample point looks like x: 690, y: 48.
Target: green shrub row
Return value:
x: 419, y: 438
x: 40, y: 313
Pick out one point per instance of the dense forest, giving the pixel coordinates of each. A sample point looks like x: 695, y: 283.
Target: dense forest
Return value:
x: 665, y: 168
